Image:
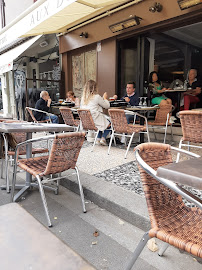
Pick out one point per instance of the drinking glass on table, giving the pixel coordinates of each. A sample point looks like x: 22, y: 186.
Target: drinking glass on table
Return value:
x: 140, y: 102
x: 145, y: 102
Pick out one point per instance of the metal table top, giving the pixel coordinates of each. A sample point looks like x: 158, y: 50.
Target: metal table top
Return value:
x: 187, y: 172
x: 32, y: 127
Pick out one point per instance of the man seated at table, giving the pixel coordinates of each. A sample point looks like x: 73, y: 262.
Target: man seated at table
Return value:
x: 43, y: 104
x: 131, y: 97
x: 193, y: 95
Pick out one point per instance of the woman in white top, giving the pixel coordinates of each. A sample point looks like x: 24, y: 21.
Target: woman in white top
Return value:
x: 95, y: 103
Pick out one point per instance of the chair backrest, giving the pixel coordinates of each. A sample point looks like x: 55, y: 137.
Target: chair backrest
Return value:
x: 191, y: 122
x: 159, y: 197
x: 86, y: 119
x: 16, y: 137
x: 64, y: 152
x: 161, y: 114
x: 67, y: 116
x: 31, y: 114
x: 118, y: 119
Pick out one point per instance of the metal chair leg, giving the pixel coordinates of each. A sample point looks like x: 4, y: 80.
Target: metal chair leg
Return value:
x: 138, y: 250
x: 14, y: 179
x: 95, y: 140
x: 2, y: 167
x: 6, y: 161
x: 129, y: 144
x: 154, y: 134
x: 171, y: 131
x: 178, y: 154
x: 164, y: 141
x: 110, y: 143
x: 44, y: 200
x: 188, y: 146
x: 163, y: 249
x: 81, y: 190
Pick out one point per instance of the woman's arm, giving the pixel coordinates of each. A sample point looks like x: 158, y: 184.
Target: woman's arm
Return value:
x: 103, y: 102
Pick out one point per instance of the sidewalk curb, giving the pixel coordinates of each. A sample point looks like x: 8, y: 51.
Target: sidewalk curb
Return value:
x: 123, y: 203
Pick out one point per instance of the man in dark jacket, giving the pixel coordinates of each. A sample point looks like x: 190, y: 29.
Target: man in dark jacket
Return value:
x: 43, y: 104
x: 131, y: 97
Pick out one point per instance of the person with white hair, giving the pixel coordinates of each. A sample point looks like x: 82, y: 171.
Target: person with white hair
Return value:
x: 193, y: 94
x: 43, y: 104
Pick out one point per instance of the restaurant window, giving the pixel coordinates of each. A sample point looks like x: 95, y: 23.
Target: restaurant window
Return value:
x: 84, y: 68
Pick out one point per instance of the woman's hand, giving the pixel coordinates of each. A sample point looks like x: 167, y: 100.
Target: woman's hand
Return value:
x: 162, y: 90
x: 105, y: 96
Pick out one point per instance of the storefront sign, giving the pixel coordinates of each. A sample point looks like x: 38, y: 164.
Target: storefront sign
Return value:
x: 34, y: 18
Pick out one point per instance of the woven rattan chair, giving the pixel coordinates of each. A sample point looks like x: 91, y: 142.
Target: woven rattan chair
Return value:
x: 88, y: 123
x: 63, y: 156
x: 171, y: 220
x: 120, y: 126
x: 10, y: 142
x: 30, y: 111
x: 162, y: 120
x: 191, y: 122
x: 68, y: 118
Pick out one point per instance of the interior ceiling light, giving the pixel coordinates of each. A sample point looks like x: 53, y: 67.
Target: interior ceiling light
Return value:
x: 183, y: 4
x: 125, y: 24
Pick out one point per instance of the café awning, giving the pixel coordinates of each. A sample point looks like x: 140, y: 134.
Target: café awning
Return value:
x: 56, y: 16
x: 6, y: 59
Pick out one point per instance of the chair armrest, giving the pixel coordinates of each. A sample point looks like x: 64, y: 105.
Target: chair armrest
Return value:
x: 185, y: 152
x: 46, y: 138
x: 36, y: 110
x: 170, y: 184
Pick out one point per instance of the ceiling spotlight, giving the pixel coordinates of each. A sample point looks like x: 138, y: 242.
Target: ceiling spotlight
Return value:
x: 125, y: 24
x: 183, y: 4
x: 156, y: 7
x: 84, y: 34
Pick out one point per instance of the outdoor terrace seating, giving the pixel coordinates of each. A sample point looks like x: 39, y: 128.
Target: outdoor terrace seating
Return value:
x: 171, y: 220
x: 68, y: 118
x: 63, y: 156
x: 191, y: 122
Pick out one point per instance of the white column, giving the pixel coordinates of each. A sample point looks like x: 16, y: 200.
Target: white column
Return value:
x: 11, y: 90
x: 5, y: 94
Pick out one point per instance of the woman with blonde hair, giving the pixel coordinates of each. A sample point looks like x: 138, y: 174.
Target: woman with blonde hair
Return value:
x: 92, y: 101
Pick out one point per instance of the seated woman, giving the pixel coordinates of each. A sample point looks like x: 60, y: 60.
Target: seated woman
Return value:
x: 193, y: 94
x: 95, y: 103
x: 72, y: 98
x: 156, y: 87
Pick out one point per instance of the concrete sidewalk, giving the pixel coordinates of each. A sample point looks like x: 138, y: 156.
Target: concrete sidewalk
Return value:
x: 117, y: 239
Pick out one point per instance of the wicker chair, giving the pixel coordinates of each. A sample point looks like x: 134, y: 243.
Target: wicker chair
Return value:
x: 68, y: 118
x: 191, y: 122
x: 171, y: 220
x: 88, y: 123
x: 162, y: 120
x: 10, y: 142
x: 120, y: 126
x: 63, y: 156
x: 30, y: 111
